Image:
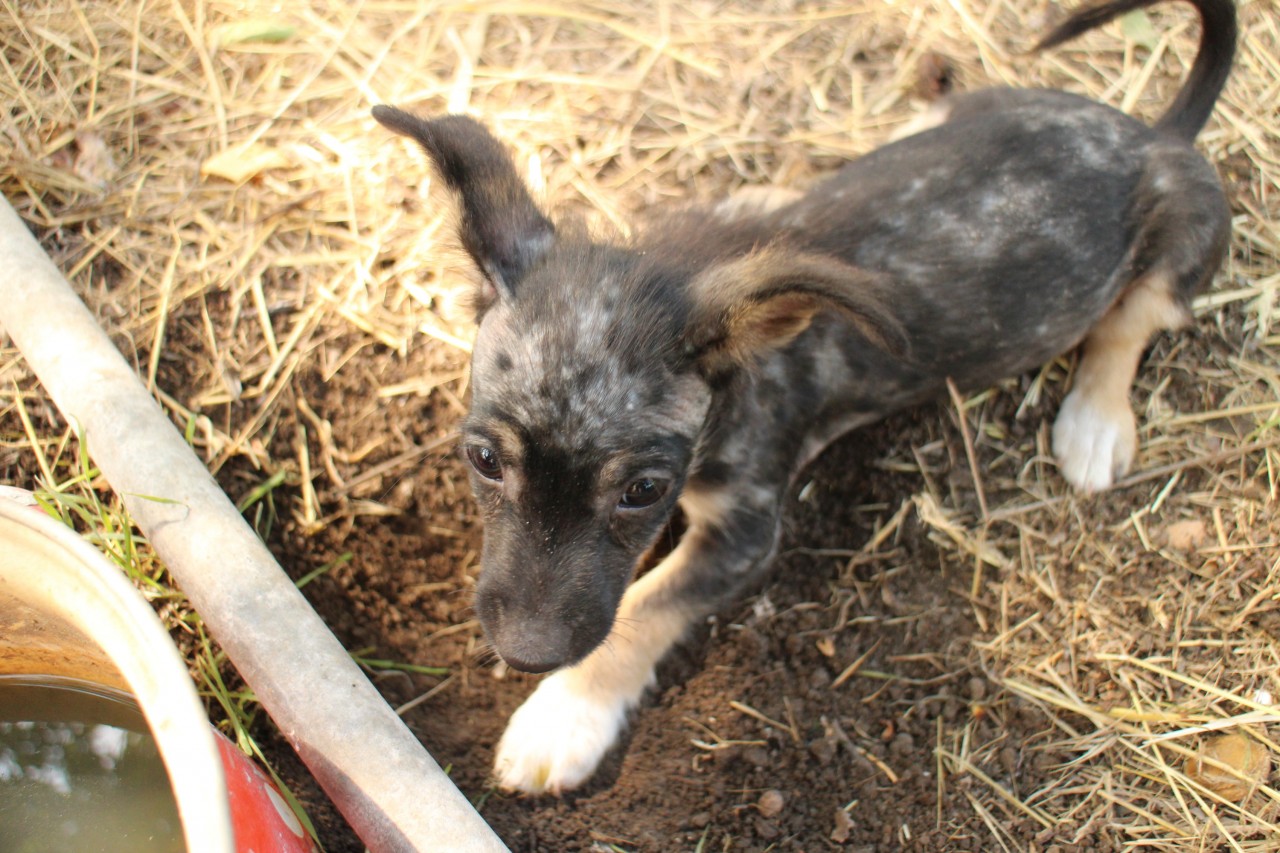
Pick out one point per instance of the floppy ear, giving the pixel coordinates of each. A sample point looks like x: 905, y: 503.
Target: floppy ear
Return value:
x: 750, y: 305
x: 501, y: 228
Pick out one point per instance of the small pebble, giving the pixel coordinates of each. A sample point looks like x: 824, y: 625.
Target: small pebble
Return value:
x: 767, y: 829
x: 823, y: 749
x: 770, y: 803
x: 1009, y: 760
x: 902, y: 746
x: 819, y: 678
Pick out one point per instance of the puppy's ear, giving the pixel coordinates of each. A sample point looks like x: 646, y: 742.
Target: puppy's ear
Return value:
x: 750, y: 305
x: 501, y: 228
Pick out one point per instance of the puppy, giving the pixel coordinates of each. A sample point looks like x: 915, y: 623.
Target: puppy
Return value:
x: 707, y: 361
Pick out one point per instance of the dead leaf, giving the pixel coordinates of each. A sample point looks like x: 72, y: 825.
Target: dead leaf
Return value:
x: 1137, y: 27
x: 1186, y: 535
x: 252, y: 30
x: 1231, y: 765
x: 242, y: 162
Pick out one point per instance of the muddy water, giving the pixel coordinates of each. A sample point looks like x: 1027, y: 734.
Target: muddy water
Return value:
x: 79, y: 771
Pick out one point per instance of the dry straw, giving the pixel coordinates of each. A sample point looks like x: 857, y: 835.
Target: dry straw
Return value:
x: 208, y: 176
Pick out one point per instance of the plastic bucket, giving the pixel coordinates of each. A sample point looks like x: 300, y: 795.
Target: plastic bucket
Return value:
x: 67, y: 612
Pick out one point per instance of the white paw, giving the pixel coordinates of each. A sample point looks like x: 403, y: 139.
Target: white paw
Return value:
x: 1094, y: 443
x: 555, y: 740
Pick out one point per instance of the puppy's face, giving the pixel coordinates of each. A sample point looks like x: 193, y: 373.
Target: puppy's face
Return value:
x: 592, y: 379
x: 582, y: 428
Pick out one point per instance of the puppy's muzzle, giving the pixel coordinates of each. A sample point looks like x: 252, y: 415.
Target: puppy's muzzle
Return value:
x: 541, y: 631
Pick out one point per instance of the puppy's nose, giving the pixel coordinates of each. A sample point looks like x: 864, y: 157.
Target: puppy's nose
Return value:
x: 530, y: 664
x: 534, y: 646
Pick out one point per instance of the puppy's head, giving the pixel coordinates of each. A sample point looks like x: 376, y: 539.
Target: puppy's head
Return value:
x: 591, y: 380
x: 582, y: 427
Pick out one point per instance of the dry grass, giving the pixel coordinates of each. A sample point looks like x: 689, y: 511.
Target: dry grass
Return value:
x: 1132, y: 630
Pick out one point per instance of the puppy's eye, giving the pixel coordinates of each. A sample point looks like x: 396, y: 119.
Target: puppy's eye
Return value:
x: 485, y: 461
x: 643, y: 492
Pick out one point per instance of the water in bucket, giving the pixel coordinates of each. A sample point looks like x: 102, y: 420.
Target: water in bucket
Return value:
x: 79, y: 771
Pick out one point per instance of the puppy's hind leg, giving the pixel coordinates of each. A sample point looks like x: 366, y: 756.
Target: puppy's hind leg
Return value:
x: 1095, y: 436
x: 1185, y: 226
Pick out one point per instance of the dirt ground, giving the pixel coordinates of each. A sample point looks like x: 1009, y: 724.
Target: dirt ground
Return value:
x: 952, y: 653
x: 749, y: 743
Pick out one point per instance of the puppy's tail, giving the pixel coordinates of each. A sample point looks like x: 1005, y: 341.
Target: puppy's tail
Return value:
x: 1191, y: 109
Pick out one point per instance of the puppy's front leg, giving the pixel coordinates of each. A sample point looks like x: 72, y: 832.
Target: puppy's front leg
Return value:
x: 556, y: 739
